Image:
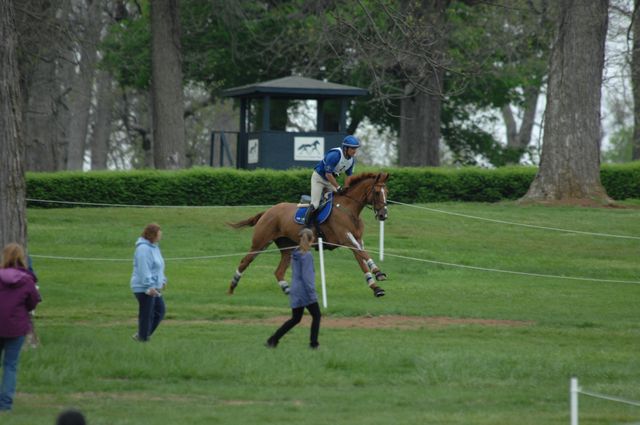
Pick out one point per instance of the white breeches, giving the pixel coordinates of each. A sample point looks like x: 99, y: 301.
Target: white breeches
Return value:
x: 318, y: 184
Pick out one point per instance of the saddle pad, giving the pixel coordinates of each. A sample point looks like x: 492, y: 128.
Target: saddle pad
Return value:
x: 321, y: 216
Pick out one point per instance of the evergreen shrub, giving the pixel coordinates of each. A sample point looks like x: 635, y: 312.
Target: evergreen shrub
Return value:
x: 215, y: 186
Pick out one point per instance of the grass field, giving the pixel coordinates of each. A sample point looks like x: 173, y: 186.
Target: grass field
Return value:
x: 207, y: 363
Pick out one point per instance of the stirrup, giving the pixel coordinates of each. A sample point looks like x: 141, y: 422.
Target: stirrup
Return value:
x: 309, y: 216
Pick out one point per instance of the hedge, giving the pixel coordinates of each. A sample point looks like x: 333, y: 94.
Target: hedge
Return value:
x: 208, y: 186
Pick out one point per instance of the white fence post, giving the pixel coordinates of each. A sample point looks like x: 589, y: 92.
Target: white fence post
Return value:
x: 381, y: 240
x: 573, y: 392
x: 324, y: 286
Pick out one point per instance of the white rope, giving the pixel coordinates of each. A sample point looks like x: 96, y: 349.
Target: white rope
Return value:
x: 203, y: 257
x: 209, y: 257
x: 496, y: 270
x: 533, y: 226
x: 610, y: 398
x: 98, y: 204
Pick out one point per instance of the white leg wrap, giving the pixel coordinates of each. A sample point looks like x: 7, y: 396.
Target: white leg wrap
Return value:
x: 236, y: 278
x: 370, y: 280
x: 354, y: 241
x: 284, y: 285
x: 371, y: 264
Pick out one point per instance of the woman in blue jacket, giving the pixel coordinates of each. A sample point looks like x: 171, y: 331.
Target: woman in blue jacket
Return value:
x: 303, y: 292
x: 147, y: 281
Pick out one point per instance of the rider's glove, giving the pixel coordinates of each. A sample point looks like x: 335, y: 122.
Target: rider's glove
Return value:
x: 339, y: 190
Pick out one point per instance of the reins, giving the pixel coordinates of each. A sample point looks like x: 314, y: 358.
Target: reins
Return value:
x: 364, y: 203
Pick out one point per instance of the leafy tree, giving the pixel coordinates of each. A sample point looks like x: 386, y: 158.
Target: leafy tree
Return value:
x: 621, y: 149
x: 490, y: 56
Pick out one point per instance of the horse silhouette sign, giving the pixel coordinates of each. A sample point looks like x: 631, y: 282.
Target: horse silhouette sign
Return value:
x: 252, y: 155
x: 308, y: 148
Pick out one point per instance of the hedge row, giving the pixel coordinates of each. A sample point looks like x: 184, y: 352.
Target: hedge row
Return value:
x: 205, y: 186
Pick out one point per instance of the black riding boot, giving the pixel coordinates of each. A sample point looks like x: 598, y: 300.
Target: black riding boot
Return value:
x: 308, y: 217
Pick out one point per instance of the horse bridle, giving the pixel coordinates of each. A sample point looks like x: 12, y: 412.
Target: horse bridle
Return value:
x: 372, y: 204
x: 375, y: 194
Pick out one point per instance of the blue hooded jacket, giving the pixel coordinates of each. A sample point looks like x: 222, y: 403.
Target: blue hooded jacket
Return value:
x: 303, y: 285
x: 148, y: 267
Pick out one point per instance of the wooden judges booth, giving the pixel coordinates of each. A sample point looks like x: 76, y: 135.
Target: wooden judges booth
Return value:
x: 290, y: 122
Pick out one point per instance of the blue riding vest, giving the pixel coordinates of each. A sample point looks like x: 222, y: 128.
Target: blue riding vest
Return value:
x: 335, y: 162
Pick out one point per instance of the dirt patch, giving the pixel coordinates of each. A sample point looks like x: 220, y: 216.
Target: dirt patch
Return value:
x: 385, y: 322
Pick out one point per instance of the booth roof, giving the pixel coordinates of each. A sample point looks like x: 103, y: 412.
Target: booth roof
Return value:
x: 295, y: 87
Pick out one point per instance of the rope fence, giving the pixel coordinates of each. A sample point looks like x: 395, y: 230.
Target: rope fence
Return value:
x: 492, y: 220
x: 99, y: 204
x: 405, y: 257
x: 511, y: 223
x: 574, y: 390
x: 380, y: 252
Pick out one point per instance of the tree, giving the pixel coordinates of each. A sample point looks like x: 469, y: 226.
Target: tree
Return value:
x: 166, y: 85
x: 102, y: 126
x: 90, y: 22
x: 40, y: 32
x: 635, y: 79
x: 443, y: 61
x: 13, y: 222
x: 421, y: 107
x: 570, y: 162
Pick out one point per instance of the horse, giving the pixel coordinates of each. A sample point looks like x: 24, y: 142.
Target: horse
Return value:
x: 343, y: 227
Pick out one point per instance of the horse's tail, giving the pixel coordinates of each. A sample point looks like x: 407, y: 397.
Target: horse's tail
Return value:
x: 248, y: 222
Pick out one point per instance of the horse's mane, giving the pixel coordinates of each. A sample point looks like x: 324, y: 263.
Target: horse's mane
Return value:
x: 353, y: 181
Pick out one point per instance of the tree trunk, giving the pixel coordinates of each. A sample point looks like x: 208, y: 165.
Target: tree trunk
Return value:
x: 635, y: 82
x: 421, y: 107
x: 44, y: 150
x: 511, y: 126
x: 570, y: 162
x: 419, y: 142
x: 13, y: 218
x: 166, y: 85
x: 528, y: 117
x: 82, y: 86
x: 519, y: 139
x: 102, y: 123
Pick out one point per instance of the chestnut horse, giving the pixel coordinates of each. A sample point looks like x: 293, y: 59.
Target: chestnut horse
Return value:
x: 343, y: 227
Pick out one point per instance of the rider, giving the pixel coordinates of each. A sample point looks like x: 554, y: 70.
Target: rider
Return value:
x: 325, y: 172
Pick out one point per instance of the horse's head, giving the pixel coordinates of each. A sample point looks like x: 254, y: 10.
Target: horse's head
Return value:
x: 369, y: 189
x: 378, y: 196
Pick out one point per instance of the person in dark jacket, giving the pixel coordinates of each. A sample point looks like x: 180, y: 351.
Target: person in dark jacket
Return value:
x: 303, y: 292
x: 18, y: 296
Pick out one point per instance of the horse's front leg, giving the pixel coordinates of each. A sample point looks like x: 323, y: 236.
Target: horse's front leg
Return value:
x: 366, y: 265
x: 367, y: 258
x: 285, y: 260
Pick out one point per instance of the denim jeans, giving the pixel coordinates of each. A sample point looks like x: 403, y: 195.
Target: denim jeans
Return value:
x: 150, y: 313
x: 9, y: 352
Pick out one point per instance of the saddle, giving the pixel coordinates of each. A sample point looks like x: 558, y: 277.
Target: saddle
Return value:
x: 324, y: 209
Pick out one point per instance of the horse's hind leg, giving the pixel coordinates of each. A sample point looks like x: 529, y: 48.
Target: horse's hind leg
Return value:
x: 244, y: 263
x: 286, y: 248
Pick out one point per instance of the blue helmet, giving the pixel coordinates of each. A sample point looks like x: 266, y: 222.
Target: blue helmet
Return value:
x: 351, y: 142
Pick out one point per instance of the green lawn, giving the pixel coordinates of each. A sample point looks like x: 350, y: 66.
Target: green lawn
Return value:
x: 202, y: 368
